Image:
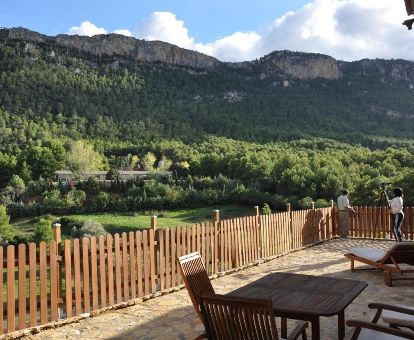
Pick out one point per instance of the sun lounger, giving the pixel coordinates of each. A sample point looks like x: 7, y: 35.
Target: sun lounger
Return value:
x: 388, y: 260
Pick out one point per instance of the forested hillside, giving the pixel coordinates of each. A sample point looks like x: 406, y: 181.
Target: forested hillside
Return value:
x: 289, y: 127
x: 282, y: 96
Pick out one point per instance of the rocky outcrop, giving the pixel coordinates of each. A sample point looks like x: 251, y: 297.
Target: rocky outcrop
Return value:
x: 115, y: 45
x: 300, y: 65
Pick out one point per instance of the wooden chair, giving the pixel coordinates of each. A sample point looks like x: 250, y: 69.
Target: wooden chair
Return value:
x: 371, y: 331
x: 235, y: 318
x: 195, y: 278
x: 396, y: 316
x: 386, y: 260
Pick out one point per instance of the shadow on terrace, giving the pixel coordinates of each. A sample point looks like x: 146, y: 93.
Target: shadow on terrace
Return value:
x: 172, y: 316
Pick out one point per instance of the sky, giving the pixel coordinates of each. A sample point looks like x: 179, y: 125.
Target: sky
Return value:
x: 231, y: 30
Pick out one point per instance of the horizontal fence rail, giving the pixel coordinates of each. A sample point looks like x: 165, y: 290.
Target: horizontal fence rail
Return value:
x: 59, y: 280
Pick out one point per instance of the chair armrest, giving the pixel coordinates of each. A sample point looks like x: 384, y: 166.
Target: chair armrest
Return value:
x: 393, y: 308
x: 297, y: 331
x: 375, y: 327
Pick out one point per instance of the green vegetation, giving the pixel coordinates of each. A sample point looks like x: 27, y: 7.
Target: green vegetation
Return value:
x: 296, y: 144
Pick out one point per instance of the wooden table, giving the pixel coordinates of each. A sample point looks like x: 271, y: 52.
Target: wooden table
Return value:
x: 305, y: 297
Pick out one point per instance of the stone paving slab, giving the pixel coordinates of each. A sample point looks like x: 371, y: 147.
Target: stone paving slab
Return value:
x: 172, y: 316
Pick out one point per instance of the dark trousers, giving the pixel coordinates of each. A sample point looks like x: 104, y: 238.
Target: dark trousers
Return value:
x: 397, y: 220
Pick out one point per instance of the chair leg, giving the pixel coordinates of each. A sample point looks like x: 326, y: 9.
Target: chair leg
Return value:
x: 387, y: 279
x: 304, y: 336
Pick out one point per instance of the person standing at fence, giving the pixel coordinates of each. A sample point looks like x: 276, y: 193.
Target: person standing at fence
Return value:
x: 397, y: 215
x: 344, y: 209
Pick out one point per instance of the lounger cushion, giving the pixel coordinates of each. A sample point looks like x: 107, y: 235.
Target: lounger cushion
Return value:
x: 372, y: 254
x: 396, y: 318
x: 369, y: 334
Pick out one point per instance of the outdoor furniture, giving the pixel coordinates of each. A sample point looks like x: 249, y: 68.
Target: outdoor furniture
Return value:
x: 195, y: 278
x: 304, y: 297
x: 231, y: 318
x: 386, y: 260
x: 395, y: 315
x: 371, y: 331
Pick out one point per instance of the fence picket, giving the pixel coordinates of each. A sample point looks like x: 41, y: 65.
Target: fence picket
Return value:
x: 94, y: 274
x: 110, y: 259
x: 68, y: 278
x: 77, y: 281
x: 102, y: 270
x: 132, y: 265
x: 32, y: 284
x: 22, y: 286
x: 85, y: 270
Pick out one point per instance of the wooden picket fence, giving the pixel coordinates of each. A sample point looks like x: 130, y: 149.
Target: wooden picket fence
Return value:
x: 50, y: 282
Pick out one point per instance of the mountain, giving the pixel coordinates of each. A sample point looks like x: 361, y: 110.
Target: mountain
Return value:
x: 116, y: 88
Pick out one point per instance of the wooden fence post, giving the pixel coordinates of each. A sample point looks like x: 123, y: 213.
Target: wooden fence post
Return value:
x: 215, y: 252
x: 154, y: 222
x: 57, y: 236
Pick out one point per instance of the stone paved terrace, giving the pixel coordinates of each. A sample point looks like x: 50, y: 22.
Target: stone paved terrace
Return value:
x: 172, y: 316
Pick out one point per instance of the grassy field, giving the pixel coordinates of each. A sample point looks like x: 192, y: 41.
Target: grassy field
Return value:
x: 124, y: 222
x: 120, y: 222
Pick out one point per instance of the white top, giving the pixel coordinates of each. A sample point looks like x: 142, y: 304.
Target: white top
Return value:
x: 343, y: 203
x: 396, y: 205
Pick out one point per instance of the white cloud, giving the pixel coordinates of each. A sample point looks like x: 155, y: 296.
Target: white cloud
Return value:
x: 87, y: 28
x: 344, y: 29
x: 166, y: 27
x: 127, y: 33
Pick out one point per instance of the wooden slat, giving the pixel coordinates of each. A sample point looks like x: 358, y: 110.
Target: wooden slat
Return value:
x: 94, y: 274
x: 22, y: 286
x: 118, y: 280
x: 178, y: 254
x: 139, y: 262
x: 68, y: 278
x: 102, y: 270
x: 167, y: 259
x: 152, y: 261
x: 53, y: 281
x: 133, y: 287
x: 161, y: 258
x: 85, y: 270
x: 125, y: 277
x: 43, y: 283
x: 32, y: 284
x: 10, y: 290
x: 77, y: 277
x: 173, y: 258
x: 145, y: 254
x: 110, y: 259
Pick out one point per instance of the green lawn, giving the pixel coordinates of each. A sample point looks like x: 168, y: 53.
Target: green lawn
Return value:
x: 120, y: 222
x: 124, y: 222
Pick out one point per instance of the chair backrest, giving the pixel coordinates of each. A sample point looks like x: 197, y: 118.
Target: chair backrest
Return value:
x: 234, y: 318
x: 195, y: 278
x: 401, y: 252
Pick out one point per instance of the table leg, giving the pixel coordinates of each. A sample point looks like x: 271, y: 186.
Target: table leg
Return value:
x: 283, y: 328
x: 316, y: 330
x: 341, y: 325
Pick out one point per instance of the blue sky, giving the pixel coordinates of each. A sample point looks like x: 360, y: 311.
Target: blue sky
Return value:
x: 206, y: 20
x: 230, y: 30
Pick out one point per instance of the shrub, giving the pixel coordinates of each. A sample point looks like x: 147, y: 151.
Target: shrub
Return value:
x: 43, y: 231
x: 76, y: 197
x: 89, y: 229
x: 102, y: 201
x: 266, y: 209
x: 6, y: 233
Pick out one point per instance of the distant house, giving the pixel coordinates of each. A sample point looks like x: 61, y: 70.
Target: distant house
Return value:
x: 67, y: 175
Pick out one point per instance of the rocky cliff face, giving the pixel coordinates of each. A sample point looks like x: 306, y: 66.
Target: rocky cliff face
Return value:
x: 300, y: 65
x: 115, y: 45
x: 284, y: 65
